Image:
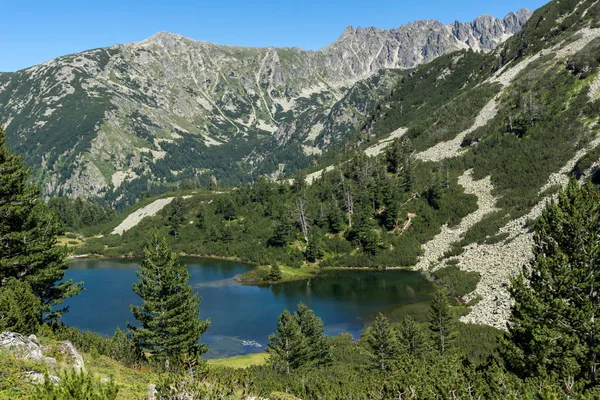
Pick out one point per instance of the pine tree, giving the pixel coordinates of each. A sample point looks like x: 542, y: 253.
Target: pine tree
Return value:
x: 411, y: 337
x: 441, y: 322
x: 311, y: 326
x: 226, y: 233
x: 554, y: 324
x: 313, y: 250
x: 335, y: 218
x: 393, y: 156
x: 170, y: 325
x: 177, y: 215
x: 226, y: 208
x: 275, y: 273
x: 391, y: 203
x: 28, y: 231
x: 299, y: 181
x: 287, y: 349
x: 201, y: 219
x: 20, y: 308
x: 382, y: 340
x: 282, y: 232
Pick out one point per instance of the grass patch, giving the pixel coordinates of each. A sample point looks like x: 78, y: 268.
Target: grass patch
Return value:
x: 261, y: 274
x: 306, y: 271
x: 133, y: 383
x: 458, y: 282
x: 244, y: 361
x: 69, y: 241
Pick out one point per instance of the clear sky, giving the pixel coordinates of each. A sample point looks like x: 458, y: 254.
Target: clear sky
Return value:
x: 33, y: 31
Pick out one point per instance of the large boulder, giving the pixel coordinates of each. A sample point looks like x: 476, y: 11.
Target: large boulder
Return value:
x: 25, y: 348
x: 72, y: 356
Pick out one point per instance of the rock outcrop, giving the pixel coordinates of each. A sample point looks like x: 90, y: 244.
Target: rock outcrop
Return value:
x: 27, y: 348
x: 30, y: 348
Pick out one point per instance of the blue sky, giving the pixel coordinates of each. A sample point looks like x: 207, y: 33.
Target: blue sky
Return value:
x: 38, y: 30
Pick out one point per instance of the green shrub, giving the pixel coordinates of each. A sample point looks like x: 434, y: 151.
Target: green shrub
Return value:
x: 20, y: 309
x: 119, y: 347
x: 75, y: 385
x: 459, y: 283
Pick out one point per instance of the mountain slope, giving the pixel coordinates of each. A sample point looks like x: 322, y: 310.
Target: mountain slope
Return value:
x: 537, y: 125
x: 462, y: 156
x: 139, y: 116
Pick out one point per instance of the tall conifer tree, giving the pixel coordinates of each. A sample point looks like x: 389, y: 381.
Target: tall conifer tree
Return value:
x: 287, y: 348
x: 554, y: 325
x: 383, y: 344
x: 28, y: 231
x: 171, y: 327
x: 441, y: 322
x: 177, y: 215
x: 311, y: 326
x: 411, y: 338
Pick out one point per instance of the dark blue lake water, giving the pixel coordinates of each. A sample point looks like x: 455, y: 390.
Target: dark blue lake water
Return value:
x: 345, y: 300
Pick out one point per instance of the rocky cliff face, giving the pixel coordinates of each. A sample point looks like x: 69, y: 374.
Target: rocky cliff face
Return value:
x: 171, y: 108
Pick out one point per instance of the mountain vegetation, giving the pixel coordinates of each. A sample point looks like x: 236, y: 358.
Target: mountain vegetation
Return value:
x: 170, y: 328
x: 390, y: 359
x: 552, y: 330
x: 356, y: 215
x: 28, y: 232
x: 395, y: 161
x: 113, y: 123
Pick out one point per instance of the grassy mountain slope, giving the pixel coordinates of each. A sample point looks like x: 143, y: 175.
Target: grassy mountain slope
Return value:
x: 114, y: 122
x: 523, y: 117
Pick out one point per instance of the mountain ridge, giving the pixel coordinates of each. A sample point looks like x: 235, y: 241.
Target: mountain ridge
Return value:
x: 145, y: 115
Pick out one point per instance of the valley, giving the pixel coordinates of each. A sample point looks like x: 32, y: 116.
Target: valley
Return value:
x: 403, y: 213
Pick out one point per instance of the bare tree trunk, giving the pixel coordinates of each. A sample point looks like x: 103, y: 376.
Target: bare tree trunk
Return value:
x: 349, y: 207
x: 302, y: 216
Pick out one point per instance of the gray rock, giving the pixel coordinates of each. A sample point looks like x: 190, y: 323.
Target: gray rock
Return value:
x: 152, y: 392
x: 34, y: 339
x: 38, y: 378
x: 24, y: 348
x: 72, y: 355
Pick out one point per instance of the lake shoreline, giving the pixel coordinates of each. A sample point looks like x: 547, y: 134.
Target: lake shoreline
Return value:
x: 307, y: 272
x: 343, y: 298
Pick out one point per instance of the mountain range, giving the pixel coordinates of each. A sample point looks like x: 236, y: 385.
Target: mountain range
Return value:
x: 114, y: 122
x: 462, y: 153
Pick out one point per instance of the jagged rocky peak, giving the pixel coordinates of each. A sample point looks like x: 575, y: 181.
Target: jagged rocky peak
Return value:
x: 421, y: 41
x: 514, y: 21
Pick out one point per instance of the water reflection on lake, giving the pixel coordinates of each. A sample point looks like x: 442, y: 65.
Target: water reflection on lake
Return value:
x: 345, y: 300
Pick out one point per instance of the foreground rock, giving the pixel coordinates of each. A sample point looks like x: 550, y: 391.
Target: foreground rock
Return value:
x: 25, y: 348
x: 30, y: 348
x: 73, y: 357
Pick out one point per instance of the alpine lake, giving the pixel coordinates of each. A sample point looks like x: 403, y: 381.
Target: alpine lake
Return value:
x: 243, y: 316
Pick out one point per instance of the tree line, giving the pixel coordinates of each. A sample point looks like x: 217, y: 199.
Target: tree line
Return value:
x: 550, y: 349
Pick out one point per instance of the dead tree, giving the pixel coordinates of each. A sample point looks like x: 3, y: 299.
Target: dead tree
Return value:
x: 302, y: 219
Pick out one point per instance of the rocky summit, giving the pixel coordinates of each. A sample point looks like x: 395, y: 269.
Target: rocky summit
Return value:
x: 128, y: 118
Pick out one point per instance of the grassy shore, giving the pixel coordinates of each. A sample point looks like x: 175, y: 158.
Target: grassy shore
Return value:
x: 261, y: 275
x: 244, y: 361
